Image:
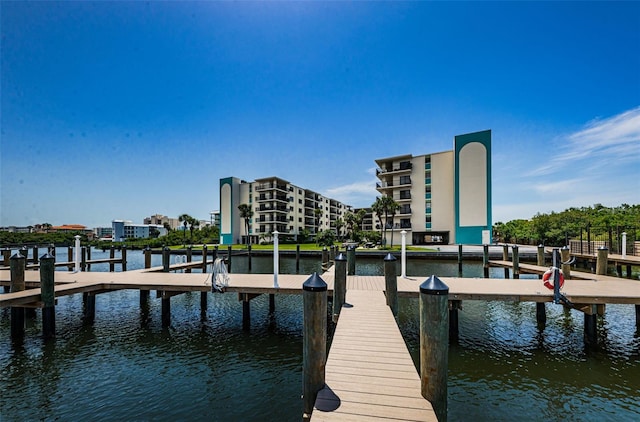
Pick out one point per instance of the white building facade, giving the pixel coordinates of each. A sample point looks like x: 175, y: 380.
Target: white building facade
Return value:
x: 444, y: 197
x: 277, y: 205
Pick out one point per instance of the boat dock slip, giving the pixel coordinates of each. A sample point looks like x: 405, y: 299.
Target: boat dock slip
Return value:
x: 369, y: 372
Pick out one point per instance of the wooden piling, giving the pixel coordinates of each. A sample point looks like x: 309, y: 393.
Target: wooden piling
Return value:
x: 434, y: 344
x: 339, y: 285
x: 485, y: 260
x: 203, y: 295
x: 166, y: 257
x: 246, y: 311
x: 505, y: 257
x: 70, y: 257
x: 35, y: 254
x: 460, y: 260
x: 298, y: 259
x: 516, y: 261
x: 165, y: 313
x: 601, y: 262
x: 541, y: 314
x: 88, y: 258
x: 249, y: 256
x: 47, y: 285
x: 112, y: 255
x: 272, y: 303
x: 6, y: 256
x: 638, y: 318
x: 229, y: 258
x: 314, y: 356
x: 123, y: 257
x: 325, y: 258
x: 88, y: 307
x: 540, y: 256
x: 189, y: 257
x: 18, y: 263
x: 454, y: 307
x: 590, y: 325
x: 391, y: 283
x: 565, y: 256
x: 83, y: 258
x: 144, y: 294
x: 351, y: 260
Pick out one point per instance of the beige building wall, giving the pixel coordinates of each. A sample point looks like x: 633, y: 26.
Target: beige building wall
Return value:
x: 442, y: 208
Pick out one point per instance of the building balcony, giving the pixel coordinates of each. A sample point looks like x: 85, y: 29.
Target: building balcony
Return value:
x: 272, y: 208
x: 271, y: 186
x: 404, y: 167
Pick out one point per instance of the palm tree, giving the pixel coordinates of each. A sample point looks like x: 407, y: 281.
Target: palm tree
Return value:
x: 378, y: 208
x: 318, y: 214
x: 339, y: 225
x: 194, y: 223
x: 185, y: 219
x: 393, y: 208
x: 386, y: 206
x: 246, y: 213
x: 350, y: 220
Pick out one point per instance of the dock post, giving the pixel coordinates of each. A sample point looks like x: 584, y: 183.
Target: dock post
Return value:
x: 88, y: 258
x: 391, y: 283
x: 276, y: 259
x: 47, y: 292
x: 112, y: 255
x: 332, y: 254
x: 229, y: 258
x: 165, y: 259
x: 540, y: 257
x: 249, y: 255
x: 6, y: 255
x: 123, y: 257
x: 505, y: 257
x: 298, y: 258
x: 516, y: 262
x: 460, y: 260
x: 204, y: 258
x: 24, y: 251
x: 35, y: 254
x: 565, y: 256
x: 246, y: 311
x: 434, y: 344
x: 351, y: 260
x: 541, y: 314
x: 485, y: 260
x: 165, y: 299
x: 17, y: 267
x: 403, y: 256
x: 325, y: 259
x: 215, y: 253
x: 76, y: 250
x: 166, y: 310
x: 637, y: 318
x: 83, y: 259
x: 70, y: 258
x: 203, y: 295
x: 88, y: 307
x: 314, y: 356
x: 189, y: 257
x: 144, y: 294
x: 339, y: 285
x: 601, y: 262
x: 454, y: 307
x: 272, y: 303
x: 590, y: 326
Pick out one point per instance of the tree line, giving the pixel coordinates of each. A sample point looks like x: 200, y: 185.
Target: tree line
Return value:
x: 555, y: 228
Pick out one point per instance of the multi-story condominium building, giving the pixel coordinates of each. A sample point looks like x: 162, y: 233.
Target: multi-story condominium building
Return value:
x: 444, y: 197
x: 277, y: 205
x: 125, y: 229
x: 160, y: 220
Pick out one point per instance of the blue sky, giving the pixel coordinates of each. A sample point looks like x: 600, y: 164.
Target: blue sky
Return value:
x: 120, y: 110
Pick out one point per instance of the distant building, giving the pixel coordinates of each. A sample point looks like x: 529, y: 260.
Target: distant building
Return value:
x: 444, y: 197
x: 125, y: 229
x: 276, y: 205
x: 103, y: 232
x: 160, y: 220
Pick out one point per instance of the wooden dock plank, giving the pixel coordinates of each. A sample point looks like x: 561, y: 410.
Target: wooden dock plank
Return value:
x: 369, y: 374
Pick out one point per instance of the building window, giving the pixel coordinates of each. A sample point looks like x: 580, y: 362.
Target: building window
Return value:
x: 405, y: 180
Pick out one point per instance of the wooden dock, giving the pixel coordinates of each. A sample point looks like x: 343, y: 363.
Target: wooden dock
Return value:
x: 370, y: 375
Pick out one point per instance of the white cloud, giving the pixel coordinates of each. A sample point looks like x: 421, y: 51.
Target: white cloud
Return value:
x: 357, y: 194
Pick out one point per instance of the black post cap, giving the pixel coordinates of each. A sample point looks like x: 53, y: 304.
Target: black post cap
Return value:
x: 341, y: 257
x: 434, y: 286
x: 314, y: 284
x: 18, y: 255
x: 390, y: 257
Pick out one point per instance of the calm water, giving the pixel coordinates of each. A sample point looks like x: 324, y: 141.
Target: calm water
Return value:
x: 204, y: 367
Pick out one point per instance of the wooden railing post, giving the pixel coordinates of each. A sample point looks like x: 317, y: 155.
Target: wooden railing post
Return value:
x: 516, y: 261
x: 601, y: 262
x: 339, y: 285
x: 351, y: 260
x: 565, y: 256
x: 434, y: 344
x: 391, y: 283
x: 17, y: 266
x: 47, y: 292
x: 314, y: 340
x: 540, y: 256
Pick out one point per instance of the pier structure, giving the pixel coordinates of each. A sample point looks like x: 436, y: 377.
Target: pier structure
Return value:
x: 365, y: 322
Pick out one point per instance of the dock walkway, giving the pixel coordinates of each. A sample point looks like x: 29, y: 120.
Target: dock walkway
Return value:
x: 369, y: 374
